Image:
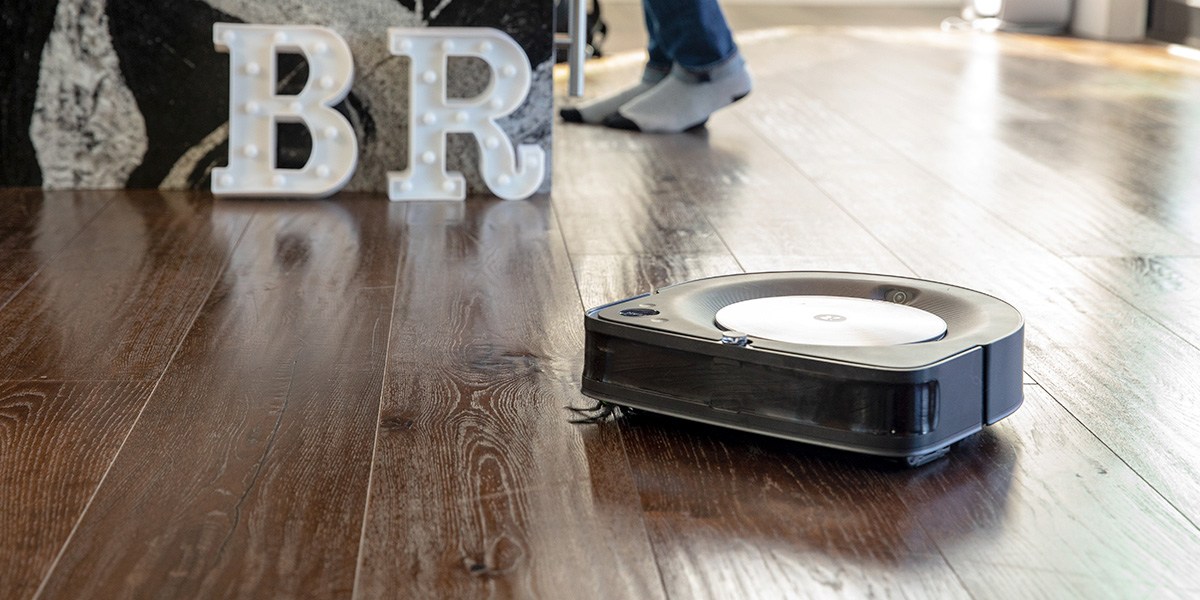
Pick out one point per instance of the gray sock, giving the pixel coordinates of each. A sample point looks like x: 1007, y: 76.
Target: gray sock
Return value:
x: 596, y: 111
x: 685, y: 99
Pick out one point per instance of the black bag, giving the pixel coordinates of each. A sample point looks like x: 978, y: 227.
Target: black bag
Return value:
x: 597, y: 29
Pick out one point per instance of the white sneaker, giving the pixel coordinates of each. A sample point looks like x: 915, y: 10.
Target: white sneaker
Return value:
x: 684, y: 100
x: 596, y: 111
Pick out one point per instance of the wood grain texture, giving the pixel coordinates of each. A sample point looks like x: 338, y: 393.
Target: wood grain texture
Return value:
x: 246, y: 476
x: 481, y: 486
x: 789, y: 225
x: 1165, y: 288
x: 86, y: 311
x: 1070, y: 510
x: 1131, y: 116
x: 605, y: 279
x: 9, y: 287
x: 45, y: 221
x: 638, y: 225
x: 1072, y: 321
x: 56, y: 440
x: 630, y: 201
x: 877, y: 114
x: 730, y: 512
x: 35, y: 226
x: 1134, y: 170
x: 1002, y: 581
x: 114, y: 302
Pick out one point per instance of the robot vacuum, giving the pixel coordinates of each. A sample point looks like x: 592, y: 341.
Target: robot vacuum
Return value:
x: 876, y: 364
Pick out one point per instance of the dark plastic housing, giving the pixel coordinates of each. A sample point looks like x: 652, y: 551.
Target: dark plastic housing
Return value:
x: 898, y: 401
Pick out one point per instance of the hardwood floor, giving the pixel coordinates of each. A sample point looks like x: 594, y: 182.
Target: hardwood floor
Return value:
x: 361, y: 399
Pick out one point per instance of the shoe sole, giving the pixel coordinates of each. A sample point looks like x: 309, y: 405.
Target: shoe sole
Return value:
x: 571, y: 115
x: 705, y: 121
x: 617, y: 121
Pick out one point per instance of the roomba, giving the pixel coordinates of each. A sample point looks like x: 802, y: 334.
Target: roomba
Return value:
x: 876, y: 364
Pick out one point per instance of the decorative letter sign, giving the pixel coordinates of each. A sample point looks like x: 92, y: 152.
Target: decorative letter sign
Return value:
x: 432, y: 115
x: 254, y: 110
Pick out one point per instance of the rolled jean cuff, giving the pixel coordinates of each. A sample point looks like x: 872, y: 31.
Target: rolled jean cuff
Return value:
x: 717, y: 70
x: 653, y: 73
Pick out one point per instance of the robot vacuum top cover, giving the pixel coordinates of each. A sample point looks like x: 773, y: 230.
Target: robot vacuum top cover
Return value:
x: 877, y: 364
x: 831, y: 321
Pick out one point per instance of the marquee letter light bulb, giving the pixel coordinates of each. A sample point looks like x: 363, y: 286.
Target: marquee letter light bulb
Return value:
x: 508, y: 174
x: 255, y: 109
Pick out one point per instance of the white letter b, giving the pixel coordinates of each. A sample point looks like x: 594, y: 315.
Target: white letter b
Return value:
x: 255, y: 109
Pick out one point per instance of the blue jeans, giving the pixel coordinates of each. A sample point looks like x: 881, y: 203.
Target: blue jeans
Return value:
x: 692, y: 33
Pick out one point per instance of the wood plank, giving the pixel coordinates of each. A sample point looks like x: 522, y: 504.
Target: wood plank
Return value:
x: 878, y: 113
x: 247, y: 473
x: 56, y: 440
x: 616, y: 172
x: 1065, y: 313
x: 1039, y: 494
x: 1166, y: 288
x: 84, y: 316
x: 728, y: 157
x: 1130, y: 105
x: 116, y: 300
x: 626, y: 221
x: 870, y: 263
x: 31, y: 219
x: 621, y: 200
x: 765, y: 209
x: 481, y: 487
x: 35, y: 226
x: 787, y: 225
x: 730, y: 512
x: 1003, y: 581
x: 743, y: 166
x: 10, y: 287
x: 737, y: 181
x: 1124, y: 140
x: 976, y: 245
x: 605, y: 279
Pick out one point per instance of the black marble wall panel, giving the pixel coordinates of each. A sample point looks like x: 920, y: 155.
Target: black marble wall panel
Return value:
x: 132, y: 93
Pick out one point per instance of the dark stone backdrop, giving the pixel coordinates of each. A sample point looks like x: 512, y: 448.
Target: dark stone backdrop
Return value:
x: 132, y: 93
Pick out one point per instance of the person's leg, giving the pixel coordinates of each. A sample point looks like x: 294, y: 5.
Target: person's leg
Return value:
x: 708, y: 73
x: 659, y: 57
x: 691, y: 33
x: 657, y: 67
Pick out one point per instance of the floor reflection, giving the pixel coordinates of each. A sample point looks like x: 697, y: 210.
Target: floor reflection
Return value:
x: 798, y: 499
x: 112, y: 300
x: 315, y: 243
x: 488, y: 258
